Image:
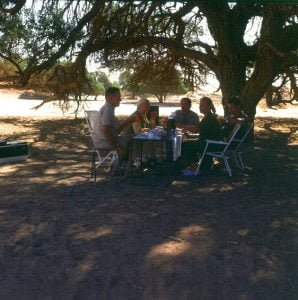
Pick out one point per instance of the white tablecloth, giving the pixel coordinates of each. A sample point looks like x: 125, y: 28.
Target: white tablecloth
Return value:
x: 153, y: 136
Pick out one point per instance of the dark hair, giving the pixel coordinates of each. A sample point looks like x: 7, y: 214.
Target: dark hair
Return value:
x: 235, y: 101
x: 209, y: 102
x: 187, y: 100
x: 111, y: 91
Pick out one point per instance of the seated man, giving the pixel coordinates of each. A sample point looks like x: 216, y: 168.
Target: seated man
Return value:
x: 185, y: 118
x: 235, y: 116
x: 107, y: 126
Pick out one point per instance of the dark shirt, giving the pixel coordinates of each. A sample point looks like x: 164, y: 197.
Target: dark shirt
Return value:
x: 210, y: 128
x: 228, y: 128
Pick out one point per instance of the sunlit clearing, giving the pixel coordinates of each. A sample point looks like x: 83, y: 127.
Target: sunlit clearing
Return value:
x: 270, y: 268
x: 263, y: 275
x: 70, y: 181
x: 194, y: 239
x: 84, y: 267
x: 208, y: 189
x: 8, y: 168
x: 279, y: 128
x: 26, y: 230
x: 276, y: 224
x: 169, y: 249
x: 243, y: 232
x: 192, y: 231
x: 92, y: 234
x: 180, y: 183
x: 62, y: 169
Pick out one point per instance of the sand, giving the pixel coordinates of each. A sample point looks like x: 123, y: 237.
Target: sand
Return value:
x: 62, y: 236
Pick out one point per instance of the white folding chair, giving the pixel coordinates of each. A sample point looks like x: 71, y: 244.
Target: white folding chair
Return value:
x: 107, y: 158
x: 236, y: 145
x: 219, y: 153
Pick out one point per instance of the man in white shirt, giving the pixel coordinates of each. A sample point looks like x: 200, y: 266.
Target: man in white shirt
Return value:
x: 107, y: 126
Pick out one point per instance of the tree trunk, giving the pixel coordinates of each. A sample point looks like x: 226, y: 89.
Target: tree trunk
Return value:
x: 231, y: 75
x: 231, y: 71
x: 268, y: 61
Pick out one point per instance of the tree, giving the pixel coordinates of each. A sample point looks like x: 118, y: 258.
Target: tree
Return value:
x: 109, y: 30
x: 228, y: 56
x: 101, y: 77
x: 99, y: 82
x: 35, y: 38
x: 11, y: 6
x: 150, y: 71
x: 158, y: 80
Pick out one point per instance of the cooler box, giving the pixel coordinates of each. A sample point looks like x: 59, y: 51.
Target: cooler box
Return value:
x: 13, y: 151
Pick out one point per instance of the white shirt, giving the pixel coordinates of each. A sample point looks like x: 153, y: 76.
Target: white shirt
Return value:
x: 106, y: 117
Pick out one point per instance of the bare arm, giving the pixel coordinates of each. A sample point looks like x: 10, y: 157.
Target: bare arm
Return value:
x: 191, y: 128
x: 126, y: 123
x: 137, y: 127
x: 190, y: 135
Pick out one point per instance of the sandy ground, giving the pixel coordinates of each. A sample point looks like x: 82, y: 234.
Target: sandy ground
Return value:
x: 62, y: 236
x: 13, y: 104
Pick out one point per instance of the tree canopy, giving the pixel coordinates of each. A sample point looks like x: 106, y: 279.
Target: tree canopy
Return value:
x: 111, y: 31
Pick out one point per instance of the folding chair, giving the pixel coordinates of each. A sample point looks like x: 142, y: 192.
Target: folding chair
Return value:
x: 236, y: 145
x: 219, y: 154
x: 106, y: 158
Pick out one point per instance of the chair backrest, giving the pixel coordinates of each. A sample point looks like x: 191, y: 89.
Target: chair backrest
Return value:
x: 90, y: 116
x: 232, y: 136
x: 240, y: 141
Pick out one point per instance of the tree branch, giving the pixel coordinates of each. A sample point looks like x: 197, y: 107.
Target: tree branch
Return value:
x: 18, y: 6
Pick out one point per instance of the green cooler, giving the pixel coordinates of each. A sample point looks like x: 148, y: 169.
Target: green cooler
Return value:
x: 13, y: 151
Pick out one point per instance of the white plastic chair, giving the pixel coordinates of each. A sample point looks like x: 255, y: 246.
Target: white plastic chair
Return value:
x: 236, y: 145
x: 106, y: 158
x: 220, y: 153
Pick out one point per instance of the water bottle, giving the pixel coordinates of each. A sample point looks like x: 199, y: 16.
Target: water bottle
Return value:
x: 170, y: 126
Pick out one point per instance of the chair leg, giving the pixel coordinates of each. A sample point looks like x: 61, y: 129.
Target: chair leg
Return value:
x: 240, y: 161
x: 201, y: 160
x: 93, y: 164
x: 227, y: 165
x: 236, y: 159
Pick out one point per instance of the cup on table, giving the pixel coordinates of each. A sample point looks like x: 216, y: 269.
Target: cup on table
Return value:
x: 151, y: 135
x: 163, y: 122
x: 145, y: 130
x: 179, y: 131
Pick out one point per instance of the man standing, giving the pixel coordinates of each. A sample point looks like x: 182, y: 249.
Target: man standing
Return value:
x: 108, y: 127
x: 185, y: 118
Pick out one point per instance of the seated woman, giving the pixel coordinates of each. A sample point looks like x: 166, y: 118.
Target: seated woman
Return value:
x: 209, y: 128
x: 235, y: 116
x: 141, y: 123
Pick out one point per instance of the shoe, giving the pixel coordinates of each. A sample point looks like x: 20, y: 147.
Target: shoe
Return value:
x: 188, y: 172
x: 152, y: 162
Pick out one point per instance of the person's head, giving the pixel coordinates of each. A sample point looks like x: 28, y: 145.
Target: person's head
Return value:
x: 234, y: 105
x: 185, y: 104
x: 143, y: 106
x: 206, y: 106
x: 113, y: 96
